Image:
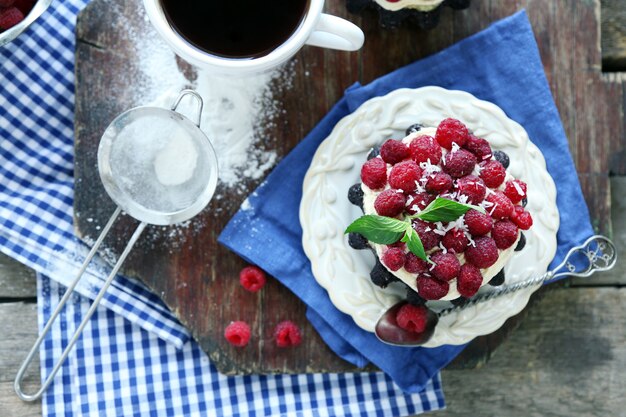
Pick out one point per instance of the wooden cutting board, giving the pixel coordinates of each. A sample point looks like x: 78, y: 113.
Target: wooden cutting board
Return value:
x: 196, y: 277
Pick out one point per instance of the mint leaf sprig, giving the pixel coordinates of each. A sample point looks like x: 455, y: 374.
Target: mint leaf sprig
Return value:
x: 387, y: 230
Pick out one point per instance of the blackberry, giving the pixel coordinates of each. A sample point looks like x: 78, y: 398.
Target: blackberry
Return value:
x: 521, y: 243
x: 524, y: 201
x: 413, y: 298
x: 374, y: 152
x: 380, y: 276
x: 416, y: 127
x: 355, y: 195
x: 502, y: 157
x: 498, y: 279
x: 357, y: 241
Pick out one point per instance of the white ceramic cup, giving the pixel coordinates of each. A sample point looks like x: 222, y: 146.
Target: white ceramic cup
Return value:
x: 317, y: 29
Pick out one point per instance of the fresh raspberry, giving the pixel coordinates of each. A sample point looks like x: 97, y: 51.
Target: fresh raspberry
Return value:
x: 389, y: 203
x: 394, y: 151
x: 502, y: 206
x: 426, y: 232
x: 10, y: 17
x: 472, y: 187
x: 25, y: 6
x: 504, y: 233
x: 413, y: 264
x: 493, y: 173
x: 430, y: 288
x: 374, y: 173
x: 439, y: 183
x: 287, y: 334
x: 522, y: 218
x: 252, y: 278
x: 469, y: 281
x: 515, y: 190
x: 479, y: 147
x: 6, y: 3
x: 393, y: 258
x: 449, y: 131
x: 478, y: 224
x: 455, y: 241
x: 403, y: 176
x: 237, y: 333
x: 483, y: 254
x: 412, y: 318
x: 459, y: 163
x: 418, y: 200
x: 447, y: 266
x: 425, y: 148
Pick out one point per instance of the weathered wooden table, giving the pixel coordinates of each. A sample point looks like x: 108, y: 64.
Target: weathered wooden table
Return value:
x: 569, y: 355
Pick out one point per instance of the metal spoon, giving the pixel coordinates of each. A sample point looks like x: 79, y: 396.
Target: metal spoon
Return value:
x: 597, y: 253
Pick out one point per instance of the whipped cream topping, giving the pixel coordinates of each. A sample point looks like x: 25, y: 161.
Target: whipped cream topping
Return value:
x: 421, y: 5
x: 369, y: 196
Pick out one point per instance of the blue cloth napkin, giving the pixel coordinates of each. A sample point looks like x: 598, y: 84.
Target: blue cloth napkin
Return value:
x: 500, y: 64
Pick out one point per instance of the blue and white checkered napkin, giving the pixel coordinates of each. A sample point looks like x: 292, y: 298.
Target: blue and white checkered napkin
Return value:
x: 134, y: 357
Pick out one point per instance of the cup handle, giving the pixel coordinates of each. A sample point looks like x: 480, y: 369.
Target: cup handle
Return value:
x: 336, y: 33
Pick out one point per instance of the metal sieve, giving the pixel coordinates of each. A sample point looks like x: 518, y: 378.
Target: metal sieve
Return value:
x: 161, y: 169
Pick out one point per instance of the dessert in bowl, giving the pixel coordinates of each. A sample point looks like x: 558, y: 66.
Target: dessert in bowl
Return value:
x: 345, y: 273
x: 406, y: 179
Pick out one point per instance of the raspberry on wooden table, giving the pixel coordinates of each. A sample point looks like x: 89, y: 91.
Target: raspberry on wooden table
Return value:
x: 394, y: 151
x: 469, y: 281
x: 403, y: 176
x: 252, y: 278
x: 484, y: 254
x: 374, y: 173
x: 451, y: 131
x: 412, y: 318
x: 237, y: 333
x: 390, y: 203
x: 425, y: 148
x: 287, y: 334
x: 430, y: 288
x: 459, y: 163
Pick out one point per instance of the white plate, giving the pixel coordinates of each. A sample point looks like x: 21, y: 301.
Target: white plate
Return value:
x: 325, y: 211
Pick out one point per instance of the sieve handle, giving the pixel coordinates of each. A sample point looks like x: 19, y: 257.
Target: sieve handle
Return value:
x: 20, y: 373
x: 193, y: 94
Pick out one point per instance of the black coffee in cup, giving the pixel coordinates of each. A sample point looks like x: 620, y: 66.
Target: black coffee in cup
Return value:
x: 235, y: 28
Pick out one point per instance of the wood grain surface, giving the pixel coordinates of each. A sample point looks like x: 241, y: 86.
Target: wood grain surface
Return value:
x: 198, y: 278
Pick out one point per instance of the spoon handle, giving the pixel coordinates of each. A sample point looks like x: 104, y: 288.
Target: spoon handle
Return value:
x: 596, y: 254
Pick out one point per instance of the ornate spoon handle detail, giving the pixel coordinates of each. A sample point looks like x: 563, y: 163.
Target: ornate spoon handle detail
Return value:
x: 596, y: 254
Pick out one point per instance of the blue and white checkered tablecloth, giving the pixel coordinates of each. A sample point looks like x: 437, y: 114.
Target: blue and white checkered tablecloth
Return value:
x: 134, y: 357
